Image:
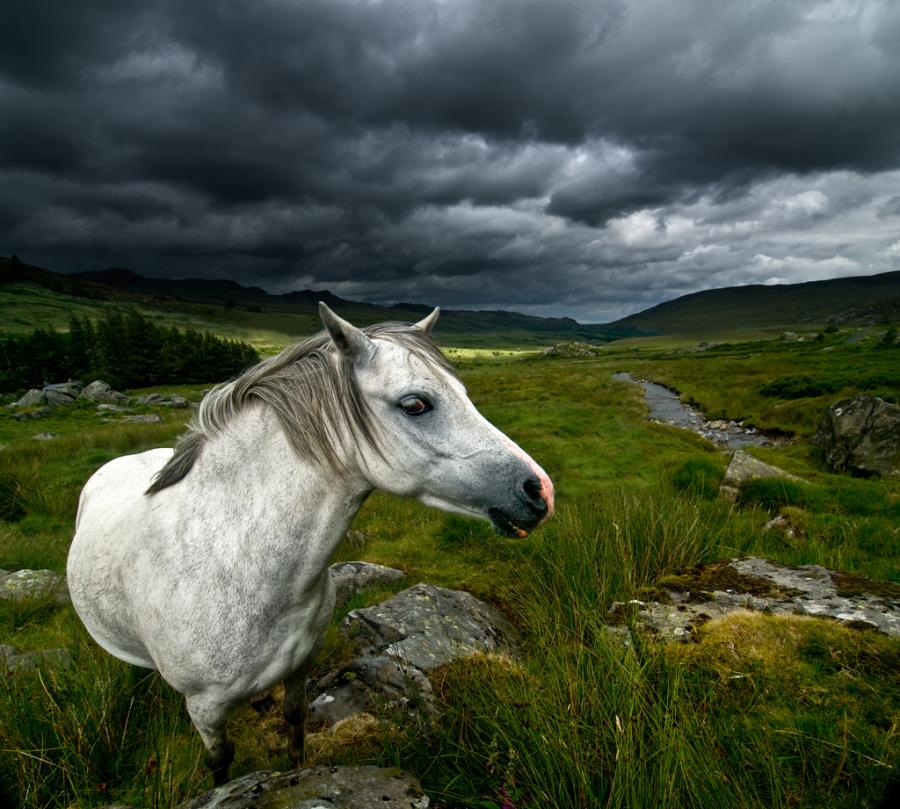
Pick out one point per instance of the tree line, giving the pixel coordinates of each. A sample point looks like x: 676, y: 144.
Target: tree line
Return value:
x: 125, y: 350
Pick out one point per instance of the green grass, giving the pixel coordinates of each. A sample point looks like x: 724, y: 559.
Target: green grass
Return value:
x: 791, y: 713
x: 761, y: 381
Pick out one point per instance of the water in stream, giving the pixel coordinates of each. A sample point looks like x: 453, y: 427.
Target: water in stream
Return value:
x: 666, y: 407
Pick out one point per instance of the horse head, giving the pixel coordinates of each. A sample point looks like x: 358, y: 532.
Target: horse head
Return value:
x: 428, y: 439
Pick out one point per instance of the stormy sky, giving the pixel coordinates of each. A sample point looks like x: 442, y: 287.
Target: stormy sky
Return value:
x: 558, y: 157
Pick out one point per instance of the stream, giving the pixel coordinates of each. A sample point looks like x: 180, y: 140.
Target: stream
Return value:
x: 667, y: 408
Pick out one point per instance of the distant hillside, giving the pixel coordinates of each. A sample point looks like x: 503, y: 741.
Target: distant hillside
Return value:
x: 242, y: 309
x: 755, y: 306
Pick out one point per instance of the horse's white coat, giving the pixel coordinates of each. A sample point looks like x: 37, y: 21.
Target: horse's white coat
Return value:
x: 220, y: 582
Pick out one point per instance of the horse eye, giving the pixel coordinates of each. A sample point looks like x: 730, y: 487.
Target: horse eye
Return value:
x: 415, y: 405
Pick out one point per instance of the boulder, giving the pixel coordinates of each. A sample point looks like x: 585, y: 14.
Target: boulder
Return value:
x: 371, y: 685
x: 100, y: 391
x: 44, y: 436
x: 427, y: 627
x: 58, y: 398
x: 159, y: 400
x: 685, y: 601
x: 744, y: 467
x: 112, y: 408
x: 351, y: 577
x: 789, y: 337
x: 861, y: 436
x: 12, y: 661
x: 34, y: 397
x: 16, y: 585
x: 30, y: 415
x: 317, y: 788
x: 175, y: 401
x: 148, y: 418
x: 71, y: 389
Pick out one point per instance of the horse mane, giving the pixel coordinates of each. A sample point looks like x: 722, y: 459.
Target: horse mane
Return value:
x: 313, y: 391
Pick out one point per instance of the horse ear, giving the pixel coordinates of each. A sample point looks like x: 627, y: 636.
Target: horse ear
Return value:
x: 426, y: 324
x: 350, y: 341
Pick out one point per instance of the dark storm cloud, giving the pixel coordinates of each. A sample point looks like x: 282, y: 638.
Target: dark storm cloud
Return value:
x: 565, y: 156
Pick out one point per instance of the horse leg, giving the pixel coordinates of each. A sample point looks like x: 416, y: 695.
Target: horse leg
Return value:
x: 209, y: 719
x: 295, y: 713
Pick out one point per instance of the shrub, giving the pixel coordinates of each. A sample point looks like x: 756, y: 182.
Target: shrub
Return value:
x: 699, y: 477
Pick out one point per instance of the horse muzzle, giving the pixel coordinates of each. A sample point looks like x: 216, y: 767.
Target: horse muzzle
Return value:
x: 534, y: 504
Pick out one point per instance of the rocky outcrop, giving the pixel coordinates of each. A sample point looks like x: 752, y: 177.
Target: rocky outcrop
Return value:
x: 33, y: 397
x: 62, y: 393
x: 351, y: 577
x: 162, y: 400
x: 427, y: 626
x: 399, y: 641
x: 13, y: 662
x: 371, y: 685
x: 681, y: 603
x: 861, y: 436
x: 67, y: 393
x: 572, y: 350
x: 317, y: 788
x: 30, y: 415
x: 744, y: 467
x: 16, y: 585
x: 100, y: 391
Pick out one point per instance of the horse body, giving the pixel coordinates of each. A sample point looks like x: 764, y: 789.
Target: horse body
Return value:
x: 217, y: 576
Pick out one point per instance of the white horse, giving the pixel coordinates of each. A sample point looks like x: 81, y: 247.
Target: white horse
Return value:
x: 209, y: 563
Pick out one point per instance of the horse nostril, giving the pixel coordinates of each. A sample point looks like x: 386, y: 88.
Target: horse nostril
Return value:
x: 534, y: 492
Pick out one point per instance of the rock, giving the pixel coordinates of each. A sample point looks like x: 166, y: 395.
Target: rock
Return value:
x: 16, y: 585
x: 861, y: 436
x: 789, y: 337
x: 427, y: 627
x: 44, y: 436
x: 317, y: 788
x: 30, y: 415
x: 744, y: 467
x: 371, y: 685
x: 356, y: 538
x: 112, y: 408
x: 58, y: 398
x: 721, y: 588
x: 175, y: 401
x: 351, y: 577
x: 12, y: 661
x: 34, y: 397
x: 100, y: 391
x: 572, y: 350
x: 783, y: 524
x: 158, y: 399
x: 148, y: 418
x: 71, y: 389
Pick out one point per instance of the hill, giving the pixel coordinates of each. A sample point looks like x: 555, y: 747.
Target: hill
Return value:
x: 33, y: 296
x: 758, y: 306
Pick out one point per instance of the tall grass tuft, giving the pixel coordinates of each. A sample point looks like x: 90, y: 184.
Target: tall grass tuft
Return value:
x: 92, y: 732
x: 587, y: 720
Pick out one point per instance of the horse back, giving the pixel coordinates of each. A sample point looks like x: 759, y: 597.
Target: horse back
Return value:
x: 108, y: 528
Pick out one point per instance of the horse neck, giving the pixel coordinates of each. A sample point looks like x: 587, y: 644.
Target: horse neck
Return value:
x: 256, y: 477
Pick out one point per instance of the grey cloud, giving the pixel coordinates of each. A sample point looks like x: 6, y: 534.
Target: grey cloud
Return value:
x: 576, y: 156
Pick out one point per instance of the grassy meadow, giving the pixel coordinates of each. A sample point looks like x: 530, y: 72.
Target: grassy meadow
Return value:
x: 761, y: 712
